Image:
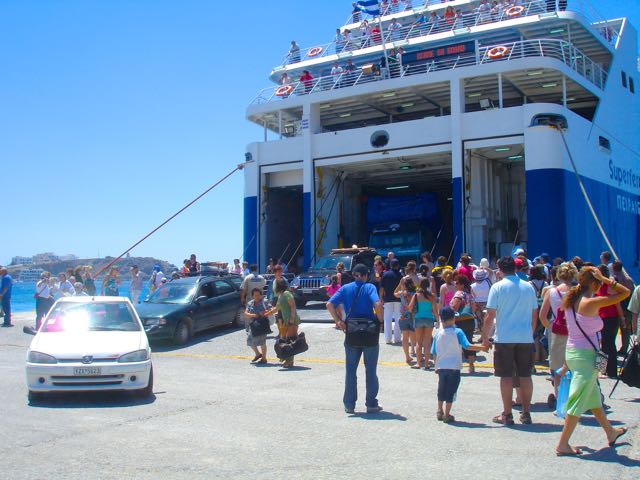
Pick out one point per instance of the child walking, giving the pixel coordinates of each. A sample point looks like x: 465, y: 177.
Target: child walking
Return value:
x: 447, y: 346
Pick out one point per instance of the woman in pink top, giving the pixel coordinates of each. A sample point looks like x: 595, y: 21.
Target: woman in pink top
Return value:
x: 583, y: 322
x: 448, y: 289
x: 465, y: 267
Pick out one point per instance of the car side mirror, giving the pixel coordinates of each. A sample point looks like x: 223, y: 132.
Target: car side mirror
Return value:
x: 152, y: 329
x: 29, y: 330
x: 201, y: 298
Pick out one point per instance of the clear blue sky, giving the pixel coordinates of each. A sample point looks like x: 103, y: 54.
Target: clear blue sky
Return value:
x: 115, y: 113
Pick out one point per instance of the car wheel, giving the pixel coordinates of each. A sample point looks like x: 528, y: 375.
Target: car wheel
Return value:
x: 183, y: 333
x: 147, y: 391
x: 237, y: 320
x: 35, y: 397
x: 300, y: 302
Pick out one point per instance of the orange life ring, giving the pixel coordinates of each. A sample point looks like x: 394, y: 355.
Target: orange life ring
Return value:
x: 314, y: 52
x: 497, y: 52
x: 283, y: 90
x: 515, y: 10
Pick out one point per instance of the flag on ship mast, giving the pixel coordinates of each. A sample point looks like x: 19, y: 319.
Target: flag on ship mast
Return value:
x: 369, y: 6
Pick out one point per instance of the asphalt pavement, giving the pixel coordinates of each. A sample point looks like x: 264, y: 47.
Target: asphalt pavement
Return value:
x: 213, y: 415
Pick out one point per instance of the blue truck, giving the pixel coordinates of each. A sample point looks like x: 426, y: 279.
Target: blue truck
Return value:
x: 406, y: 225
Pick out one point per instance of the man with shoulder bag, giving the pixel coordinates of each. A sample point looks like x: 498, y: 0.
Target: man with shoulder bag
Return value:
x: 361, y: 325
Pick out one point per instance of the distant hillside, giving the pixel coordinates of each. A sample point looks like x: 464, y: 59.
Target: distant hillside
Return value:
x: 144, y: 263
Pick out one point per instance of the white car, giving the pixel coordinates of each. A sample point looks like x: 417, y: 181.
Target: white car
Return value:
x: 89, y: 343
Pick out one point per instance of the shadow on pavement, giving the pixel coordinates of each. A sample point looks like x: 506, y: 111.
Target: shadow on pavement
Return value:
x: 200, y: 337
x: 609, y: 455
x: 379, y: 416
x: 463, y: 424
x: 295, y: 368
x: 92, y: 400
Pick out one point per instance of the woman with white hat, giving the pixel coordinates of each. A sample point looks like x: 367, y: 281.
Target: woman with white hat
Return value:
x: 486, y: 266
x: 480, y: 289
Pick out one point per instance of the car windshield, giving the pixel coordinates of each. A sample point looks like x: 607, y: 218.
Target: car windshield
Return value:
x: 91, y: 317
x: 390, y: 240
x: 173, y: 293
x: 329, y: 263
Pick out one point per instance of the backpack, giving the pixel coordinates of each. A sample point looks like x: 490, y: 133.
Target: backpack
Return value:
x: 630, y: 373
x: 559, y: 323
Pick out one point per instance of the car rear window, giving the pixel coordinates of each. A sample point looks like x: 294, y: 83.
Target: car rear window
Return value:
x: 91, y: 317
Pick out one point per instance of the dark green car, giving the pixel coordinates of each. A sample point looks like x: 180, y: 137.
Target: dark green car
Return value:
x: 183, y: 307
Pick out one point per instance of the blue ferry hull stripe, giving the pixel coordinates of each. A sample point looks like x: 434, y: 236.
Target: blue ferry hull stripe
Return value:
x: 250, y: 229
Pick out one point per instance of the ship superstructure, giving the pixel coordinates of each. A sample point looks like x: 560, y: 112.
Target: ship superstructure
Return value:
x: 460, y: 106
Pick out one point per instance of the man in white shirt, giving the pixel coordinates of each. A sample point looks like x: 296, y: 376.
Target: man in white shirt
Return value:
x: 394, y: 28
x: 251, y: 281
x: 136, y: 284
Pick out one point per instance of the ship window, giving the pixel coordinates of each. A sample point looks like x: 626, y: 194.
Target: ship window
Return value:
x: 624, y: 79
x: 632, y: 87
x: 549, y: 119
x: 604, y: 143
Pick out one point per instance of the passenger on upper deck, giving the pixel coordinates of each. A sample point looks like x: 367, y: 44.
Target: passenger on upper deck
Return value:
x: 339, y: 40
x: 307, y: 80
x: 406, y: 5
x: 355, y: 13
x: 294, y: 53
x: 394, y: 29
x: 365, y: 34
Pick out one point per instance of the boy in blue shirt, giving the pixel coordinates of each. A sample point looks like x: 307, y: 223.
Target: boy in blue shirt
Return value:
x: 447, y: 346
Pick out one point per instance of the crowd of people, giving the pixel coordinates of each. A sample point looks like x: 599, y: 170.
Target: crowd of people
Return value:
x: 513, y: 307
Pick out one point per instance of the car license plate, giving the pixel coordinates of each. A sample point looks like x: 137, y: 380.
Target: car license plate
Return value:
x: 307, y: 290
x: 86, y: 371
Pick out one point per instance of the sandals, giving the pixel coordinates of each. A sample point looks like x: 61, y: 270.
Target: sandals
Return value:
x: 573, y: 453
x: 440, y: 416
x: 256, y: 358
x: 525, y: 418
x: 448, y: 419
x: 503, y: 419
x: 612, y: 443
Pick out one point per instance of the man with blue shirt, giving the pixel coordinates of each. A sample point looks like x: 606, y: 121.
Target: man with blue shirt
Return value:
x: 6, y: 284
x: 513, y: 306
x: 358, y: 299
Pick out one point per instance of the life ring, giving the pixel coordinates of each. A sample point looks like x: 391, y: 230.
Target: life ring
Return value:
x: 283, y: 90
x: 515, y: 11
x: 314, y: 52
x: 497, y: 52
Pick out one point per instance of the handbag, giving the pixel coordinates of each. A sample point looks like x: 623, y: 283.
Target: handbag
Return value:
x: 361, y: 332
x: 260, y: 326
x: 602, y: 359
x: 290, y: 346
x: 559, y: 323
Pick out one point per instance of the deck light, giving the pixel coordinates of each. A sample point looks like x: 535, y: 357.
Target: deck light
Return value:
x: 398, y: 187
x: 503, y: 149
x: 388, y: 95
x: 515, y: 157
x: 556, y: 30
x: 405, y: 167
x: 407, y: 105
x: 535, y: 72
x: 344, y: 115
x: 476, y: 94
x: 326, y: 105
x: 549, y: 85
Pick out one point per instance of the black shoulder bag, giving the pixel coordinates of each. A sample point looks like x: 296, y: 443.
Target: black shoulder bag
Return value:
x: 361, y: 331
x: 601, y: 358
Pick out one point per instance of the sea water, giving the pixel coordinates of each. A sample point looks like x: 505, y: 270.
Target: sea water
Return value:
x: 22, y: 295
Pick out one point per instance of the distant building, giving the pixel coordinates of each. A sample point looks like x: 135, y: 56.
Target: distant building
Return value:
x: 47, y: 257
x: 66, y: 258
x: 22, y: 260
x: 30, y: 274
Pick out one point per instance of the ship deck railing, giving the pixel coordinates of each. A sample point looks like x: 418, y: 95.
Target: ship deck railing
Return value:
x: 548, y: 48
x: 472, y: 19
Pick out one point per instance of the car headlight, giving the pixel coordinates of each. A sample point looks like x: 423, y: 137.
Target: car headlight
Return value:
x: 151, y: 322
x: 137, y: 356
x: 37, y: 357
x: 326, y: 281
x: 295, y: 282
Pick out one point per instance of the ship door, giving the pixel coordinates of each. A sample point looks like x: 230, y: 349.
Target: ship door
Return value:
x: 282, y: 229
x: 495, y: 216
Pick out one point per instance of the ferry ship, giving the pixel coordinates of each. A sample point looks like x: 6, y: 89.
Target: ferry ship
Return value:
x: 513, y: 116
